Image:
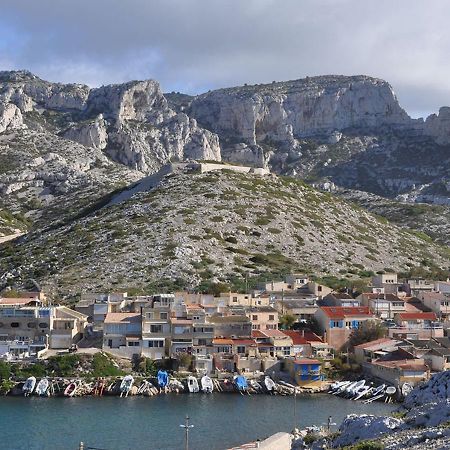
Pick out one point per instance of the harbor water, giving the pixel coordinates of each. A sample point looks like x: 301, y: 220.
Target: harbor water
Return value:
x: 153, y: 423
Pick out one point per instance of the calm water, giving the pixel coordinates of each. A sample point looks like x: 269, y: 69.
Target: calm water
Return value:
x: 112, y: 423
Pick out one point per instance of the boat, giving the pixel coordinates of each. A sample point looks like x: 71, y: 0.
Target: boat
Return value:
x: 406, y: 389
x: 163, y: 378
x: 126, y: 384
x: 356, y: 388
x: 270, y: 384
x: 71, y: 389
x: 342, y: 387
x: 366, y: 390
x: 241, y: 383
x: 29, y: 385
x: 192, y: 384
x: 207, y: 384
x: 255, y: 385
x: 390, y: 392
x: 42, y: 387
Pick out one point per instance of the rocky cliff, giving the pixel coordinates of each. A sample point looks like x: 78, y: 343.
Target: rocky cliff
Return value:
x: 131, y: 122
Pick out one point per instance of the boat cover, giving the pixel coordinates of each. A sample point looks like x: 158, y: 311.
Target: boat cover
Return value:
x: 241, y: 382
x: 163, y: 378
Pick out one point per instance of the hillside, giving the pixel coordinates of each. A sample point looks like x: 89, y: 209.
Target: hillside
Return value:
x: 214, y: 226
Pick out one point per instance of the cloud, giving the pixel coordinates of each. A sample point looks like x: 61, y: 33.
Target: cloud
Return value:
x: 195, y: 45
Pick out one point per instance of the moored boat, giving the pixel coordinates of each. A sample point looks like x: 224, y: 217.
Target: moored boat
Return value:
x: 126, y: 384
x: 163, y: 378
x: 29, y: 385
x: 42, y: 387
x: 241, y: 383
x: 71, y: 389
x: 192, y: 384
x: 270, y: 384
x: 207, y: 384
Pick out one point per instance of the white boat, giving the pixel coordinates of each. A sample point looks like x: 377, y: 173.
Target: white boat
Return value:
x: 341, y: 388
x: 42, y: 387
x: 29, y: 385
x: 207, y: 384
x: 347, y: 389
x: 192, y: 384
x: 406, y: 389
x: 126, y: 384
x: 391, y: 390
x: 270, y: 384
x: 71, y: 389
x: 356, y: 388
x: 363, y: 392
x: 255, y: 385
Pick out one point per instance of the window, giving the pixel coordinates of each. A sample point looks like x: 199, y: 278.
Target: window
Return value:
x: 157, y: 344
x: 155, y: 328
x: 319, y: 288
x: 256, y: 326
x: 271, y: 317
x: 42, y: 325
x: 202, y: 342
x: 348, y: 324
x: 235, y: 299
x: 334, y: 324
x: 254, y: 317
x: 15, y: 324
x: 149, y: 315
x: 240, y: 349
x: 133, y: 344
x: 163, y: 315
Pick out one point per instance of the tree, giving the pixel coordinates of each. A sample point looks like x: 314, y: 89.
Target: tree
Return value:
x: 369, y: 330
x: 287, y: 321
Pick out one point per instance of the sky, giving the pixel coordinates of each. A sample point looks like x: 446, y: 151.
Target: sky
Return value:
x: 196, y: 45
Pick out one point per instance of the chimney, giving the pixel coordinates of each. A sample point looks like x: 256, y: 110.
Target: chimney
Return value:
x: 303, y: 333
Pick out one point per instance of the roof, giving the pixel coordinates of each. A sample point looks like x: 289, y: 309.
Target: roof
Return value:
x: 11, y: 301
x: 387, y: 297
x: 221, y: 341
x: 302, y: 337
x: 122, y: 317
x: 376, y: 343
x: 341, y: 295
x: 306, y: 361
x: 402, y: 364
x: 243, y: 342
x: 274, y: 333
x: 261, y: 309
x: 417, y: 316
x: 340, y: 312
x: 258, y: 334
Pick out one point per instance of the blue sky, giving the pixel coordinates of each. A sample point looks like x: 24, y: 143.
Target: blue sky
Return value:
x: 196, y: 45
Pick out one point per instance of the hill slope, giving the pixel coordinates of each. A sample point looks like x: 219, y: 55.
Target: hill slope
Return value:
x: 212, y: 226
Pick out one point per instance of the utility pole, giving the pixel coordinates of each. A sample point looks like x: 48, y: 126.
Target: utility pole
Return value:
x: 186, y: 427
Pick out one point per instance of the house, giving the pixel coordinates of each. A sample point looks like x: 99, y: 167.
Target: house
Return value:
x: 369, y: 351
x: 339, y: 299
x: 247, y: 300
x: 156, y: 329
x: 337, y: 322
x: 305, y: 343
x: 438, y: 302
x: 442, y: 286
x: 417, y: 325
x: 438, y: 359
x: 304, y: 370
x: 418, y: 286
x: 231, y: 326
x: 182, y: 335
x: 383, y: 305
x: 122, y: 333
x: 28, y: 330
x: 302, y: 308
x: 263, y: 317
x: 296, y: 281
x: 386, y: 283
x: 273, y: 343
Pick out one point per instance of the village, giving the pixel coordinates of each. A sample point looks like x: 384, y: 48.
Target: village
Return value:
x: 296, y: 330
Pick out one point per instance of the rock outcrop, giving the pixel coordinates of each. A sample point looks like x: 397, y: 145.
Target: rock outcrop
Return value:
x: 10, y: 117
x: 131, y: 122
x: 438, y: 126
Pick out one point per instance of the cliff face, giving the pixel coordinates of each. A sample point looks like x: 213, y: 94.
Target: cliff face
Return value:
x: 285, y: 111
x: 131, y: 122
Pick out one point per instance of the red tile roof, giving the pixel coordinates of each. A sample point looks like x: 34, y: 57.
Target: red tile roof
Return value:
x: 417, y: 316
x: 258, y: 334
x: 122, y: 317
x: 9, y: 301
x: 341, y: 312
x: 243, y: 342
x: 375, y: 343
x: 221, y: 341
x: 302, y: 337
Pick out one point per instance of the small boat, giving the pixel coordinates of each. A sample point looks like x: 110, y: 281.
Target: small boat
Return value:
x: 349, y: 389
x: 126, y: 384
x: 241, y: 383
x: 355, y: 390
x: 207, y: 384
x: 390, y: 392
x: 270, y: 384
x: 29, y: 385
x: 71, y: 389
x: 342, y: 387
x: 363, y: 392
x: 42, y: 387
x: 163, y: 378
x: 406, y: 389
x: 255, y: 385
x: 192, y: 384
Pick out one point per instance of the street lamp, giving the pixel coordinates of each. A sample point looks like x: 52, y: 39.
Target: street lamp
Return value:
x: 186, y: 427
